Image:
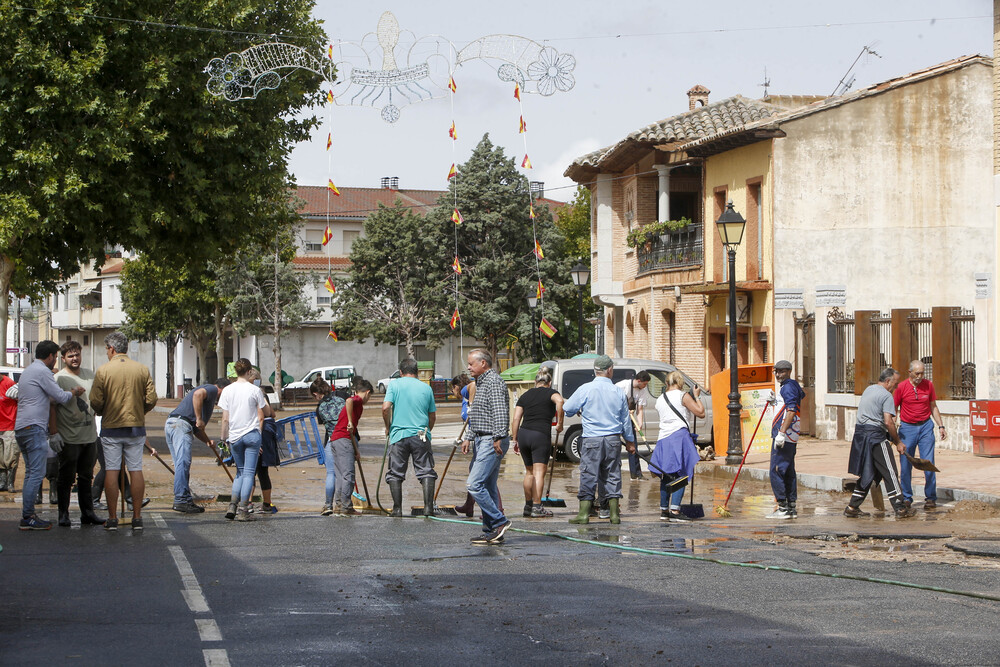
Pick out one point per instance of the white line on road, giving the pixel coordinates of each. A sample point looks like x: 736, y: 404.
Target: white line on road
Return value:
x: 208, y: 630
x: 216, y: 657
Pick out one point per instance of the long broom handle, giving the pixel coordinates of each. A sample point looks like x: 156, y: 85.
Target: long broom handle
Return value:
x: 361, y: 471
x: 448, y: 464
x: 552, y: 465
x: 747, y: 451
x: 157, y: 457
x: 219, y: 459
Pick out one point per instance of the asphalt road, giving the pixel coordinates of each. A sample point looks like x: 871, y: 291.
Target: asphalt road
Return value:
x: 300, y: 589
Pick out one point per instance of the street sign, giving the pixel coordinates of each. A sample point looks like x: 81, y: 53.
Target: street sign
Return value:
x: 17, y: 350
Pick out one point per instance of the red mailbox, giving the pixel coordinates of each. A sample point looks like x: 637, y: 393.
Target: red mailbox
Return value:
x: 984, y: 427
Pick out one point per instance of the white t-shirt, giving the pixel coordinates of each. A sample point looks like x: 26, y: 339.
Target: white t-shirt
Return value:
x: 669, y: 421
x: 636, y: 394
x: 241, y: 400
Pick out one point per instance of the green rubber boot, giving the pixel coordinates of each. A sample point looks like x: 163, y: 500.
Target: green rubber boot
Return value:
x: 584, y: 515
x: 613, y: 506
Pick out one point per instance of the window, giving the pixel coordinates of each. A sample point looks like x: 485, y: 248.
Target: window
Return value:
x: 754, y: 231
x: 322, y: 300
x: 314, y: 240
x: 719, y: 263
x: 349, y: 238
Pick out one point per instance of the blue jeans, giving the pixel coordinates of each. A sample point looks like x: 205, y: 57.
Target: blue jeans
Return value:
x: 917, y: 437
x: 179, y: 433
x: 668, y: 500
x: 482, y: 482
x: 246, y: 451
x: 600, y: 461
x: 33, y: 441
x: 784, y: 483
x: 633, y: 464
x: 331, y: 472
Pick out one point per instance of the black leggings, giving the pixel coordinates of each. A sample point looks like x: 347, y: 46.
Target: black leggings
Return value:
x: 264, y: 476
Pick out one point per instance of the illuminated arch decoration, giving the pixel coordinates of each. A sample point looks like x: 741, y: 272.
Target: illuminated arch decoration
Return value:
x: 386, y: 70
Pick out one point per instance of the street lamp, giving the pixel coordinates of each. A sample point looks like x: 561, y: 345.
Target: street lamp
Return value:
x: 532, y: 304
x: 730, y: 225
x: 581, y: 276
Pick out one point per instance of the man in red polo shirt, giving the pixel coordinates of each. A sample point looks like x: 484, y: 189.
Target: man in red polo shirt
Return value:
x: 916, y: 404
x: 8, y: 447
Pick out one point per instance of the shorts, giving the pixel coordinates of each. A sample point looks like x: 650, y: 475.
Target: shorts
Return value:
x: 535, y: 447
x: 114, y: 447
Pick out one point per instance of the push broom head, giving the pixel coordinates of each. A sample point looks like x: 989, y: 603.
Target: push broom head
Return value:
x: 723, y: 511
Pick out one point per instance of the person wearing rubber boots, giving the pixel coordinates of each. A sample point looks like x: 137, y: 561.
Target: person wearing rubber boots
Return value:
x: 606, y: 421
x: 409, y: 412
x: 785, y: 437
x: 871, y: 460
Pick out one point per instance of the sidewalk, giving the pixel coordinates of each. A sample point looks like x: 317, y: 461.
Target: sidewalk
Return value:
x: 822, y: 464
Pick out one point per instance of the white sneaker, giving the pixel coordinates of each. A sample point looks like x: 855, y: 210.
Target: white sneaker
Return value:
x: 604, y: 514
x: 779, y: 513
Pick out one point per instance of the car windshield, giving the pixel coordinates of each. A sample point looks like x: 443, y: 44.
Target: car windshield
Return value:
x: 343, y: 373
x: 574, y: 379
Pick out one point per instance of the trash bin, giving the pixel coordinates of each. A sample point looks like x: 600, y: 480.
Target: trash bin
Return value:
x: 984, y: 427
x: 425, y: 371
x: 755, y: 382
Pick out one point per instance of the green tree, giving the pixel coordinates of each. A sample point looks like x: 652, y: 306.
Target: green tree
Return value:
x: 574, y: 223
x: 108, y: 135
x: 265, y: 294
x: 496, y: 248
x: 398, y: 286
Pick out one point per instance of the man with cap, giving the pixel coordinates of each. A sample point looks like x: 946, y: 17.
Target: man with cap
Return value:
x: 785, y: 435
x: 606, y: 421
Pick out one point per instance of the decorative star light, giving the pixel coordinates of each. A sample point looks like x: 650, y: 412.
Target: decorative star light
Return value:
x: 371, y: 76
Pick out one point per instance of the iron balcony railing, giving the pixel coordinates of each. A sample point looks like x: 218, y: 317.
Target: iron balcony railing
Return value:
x: 678, y: 248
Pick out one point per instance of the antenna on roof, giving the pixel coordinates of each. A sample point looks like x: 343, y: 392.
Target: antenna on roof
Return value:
x: 767, y: 82
x: 845, y: 84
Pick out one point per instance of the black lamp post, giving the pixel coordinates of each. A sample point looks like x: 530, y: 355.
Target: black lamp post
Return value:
x: 532, y: 304
x: 581, y: 276
x: 730, y: 225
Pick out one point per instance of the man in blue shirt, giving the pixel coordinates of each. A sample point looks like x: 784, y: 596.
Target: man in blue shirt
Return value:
x: 785, y: 433
x: 409, y: 413
x: 605, y: 422
x: 189, y: 419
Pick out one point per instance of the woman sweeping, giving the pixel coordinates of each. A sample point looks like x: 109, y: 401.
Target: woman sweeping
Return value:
x: 675, y: 454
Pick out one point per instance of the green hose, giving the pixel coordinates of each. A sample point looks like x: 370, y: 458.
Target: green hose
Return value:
x: 756, y: 566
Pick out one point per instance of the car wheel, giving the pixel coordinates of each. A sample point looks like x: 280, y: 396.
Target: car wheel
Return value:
x: 381, y: 388
x: 571, y: 446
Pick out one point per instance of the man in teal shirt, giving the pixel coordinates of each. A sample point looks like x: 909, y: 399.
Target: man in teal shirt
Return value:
x: 409, y: 412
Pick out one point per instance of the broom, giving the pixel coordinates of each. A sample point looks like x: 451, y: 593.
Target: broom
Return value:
x: 548, y: 501
x: 723, y: 509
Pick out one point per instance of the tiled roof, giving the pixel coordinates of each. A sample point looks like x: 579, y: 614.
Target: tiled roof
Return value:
x: 727, y: 114
x: 359, y: 202
x: 112, y: 265
x: 320, y: 262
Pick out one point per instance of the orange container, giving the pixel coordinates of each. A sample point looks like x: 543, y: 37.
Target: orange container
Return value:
x: 756, y: 382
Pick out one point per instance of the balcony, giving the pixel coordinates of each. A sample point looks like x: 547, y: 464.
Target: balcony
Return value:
x: 670, y: 248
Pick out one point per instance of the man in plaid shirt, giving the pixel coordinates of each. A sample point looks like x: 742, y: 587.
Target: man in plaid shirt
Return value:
x: 487, y: 434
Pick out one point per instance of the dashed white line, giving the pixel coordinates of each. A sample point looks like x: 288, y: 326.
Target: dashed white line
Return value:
x: 208, y: 630
x: 216, y: 657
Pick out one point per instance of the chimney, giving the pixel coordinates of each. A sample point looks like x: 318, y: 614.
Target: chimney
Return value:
x: 385, y: 182
x: 537, y: 189
x: 390, y: 182
x: 698, y: 95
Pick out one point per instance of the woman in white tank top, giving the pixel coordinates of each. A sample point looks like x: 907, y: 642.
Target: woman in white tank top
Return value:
x: 675, y: 451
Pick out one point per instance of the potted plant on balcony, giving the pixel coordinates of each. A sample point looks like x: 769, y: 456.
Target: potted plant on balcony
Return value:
x: 644, y: 235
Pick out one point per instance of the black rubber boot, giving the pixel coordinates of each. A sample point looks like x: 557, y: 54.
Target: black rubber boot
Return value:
x: 428, y: 485
x: 396, y: 489
x: 3, y: 480
x: 85, y: 497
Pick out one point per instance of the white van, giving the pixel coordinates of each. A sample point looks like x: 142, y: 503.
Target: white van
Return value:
x: 337, y: 376
x: 570, y: 374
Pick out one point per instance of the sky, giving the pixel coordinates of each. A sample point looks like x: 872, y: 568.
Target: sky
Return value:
x: 635, y: 62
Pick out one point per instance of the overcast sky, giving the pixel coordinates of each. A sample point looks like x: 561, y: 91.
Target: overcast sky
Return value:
x: 635, y: 60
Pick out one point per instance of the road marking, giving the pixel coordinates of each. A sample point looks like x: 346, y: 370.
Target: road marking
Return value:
x: 162, y: 525
x: 192, y: 591
x: 216, y: 657
x: 208, y: 629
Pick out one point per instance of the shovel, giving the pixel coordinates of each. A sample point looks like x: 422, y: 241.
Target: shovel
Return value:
x: 921, y: 464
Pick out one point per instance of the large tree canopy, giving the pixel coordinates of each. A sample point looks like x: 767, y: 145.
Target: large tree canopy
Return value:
x: 108, y: 135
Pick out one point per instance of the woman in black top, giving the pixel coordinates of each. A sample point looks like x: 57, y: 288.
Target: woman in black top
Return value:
x: 531, y: 435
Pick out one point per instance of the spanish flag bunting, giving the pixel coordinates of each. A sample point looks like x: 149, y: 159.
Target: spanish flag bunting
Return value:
x: 526, y: 163
x: 333, y: 335
x: 539, y: 291
x: 517, y: 91
x: 538, y: 250
x: 524, y: 126
x: 546, y: 328
x: 329, y: 96
x: 531, y: 211
x: 451, y: 84
x: 456, y: 217
x: 455, y: 266
x: 329, y: 51
x: 330, y: 287
x: 327, y: 235
x: 452, y: 133
x: 332, y: 188
x: 329, y: 140
x: 451, y: 172
x: 454, y: 319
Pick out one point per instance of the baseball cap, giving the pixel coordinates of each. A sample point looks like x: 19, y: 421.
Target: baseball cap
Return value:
x: 603, y: 363
x: 783, y: 365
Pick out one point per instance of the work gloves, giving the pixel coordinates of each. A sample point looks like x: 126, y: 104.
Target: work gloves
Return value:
x: 12, y: 393
x: 779, y: 440
x: 55, y: 442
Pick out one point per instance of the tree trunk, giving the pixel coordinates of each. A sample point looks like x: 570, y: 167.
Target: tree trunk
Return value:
x: 220, y: 341
x: 410, y: 349
x: 171, y: 342
x: 491, y: 347
x: 6, y: 272
x: 276, y: 349
x: 202, y: 346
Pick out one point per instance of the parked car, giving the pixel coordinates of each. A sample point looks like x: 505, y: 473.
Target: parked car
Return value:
x: 11, y: 372
x: 383, y: 384
x: 569, y: 374
x: 338, y: 377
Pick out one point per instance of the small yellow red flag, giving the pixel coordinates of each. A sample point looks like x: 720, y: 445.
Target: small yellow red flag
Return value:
x: 526, y: 163
x: 329, y: 140
x: 451, y: 131
x: 456, y: 266
x: 329, y: 96
x: 456, y: 217
x: 538, y: 250
x: 546, y: 328
x: 524, y: 126
x: 451, y: 84
x: 454, y: 319
x: 330, y: 287
x: 332, y: 188
x: 333, y: 335
x: 327, y: 235
x: 531, y: 211
x: 539, y: 291
x: 451, y: 172
x: 517, y: 91
x: 329, y: 51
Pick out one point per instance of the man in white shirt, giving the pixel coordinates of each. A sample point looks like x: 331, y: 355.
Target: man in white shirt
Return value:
x: 636, y: 395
